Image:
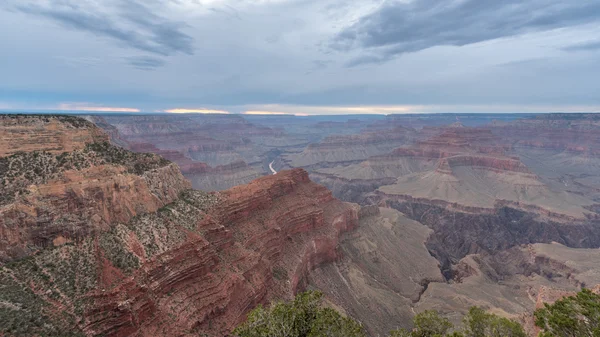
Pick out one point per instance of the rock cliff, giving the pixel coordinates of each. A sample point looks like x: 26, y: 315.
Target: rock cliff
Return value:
x: 54, y: 134
x: 52, y: 195
x: 335, y: 150
x: 116, y: 244
x: 201, y: 175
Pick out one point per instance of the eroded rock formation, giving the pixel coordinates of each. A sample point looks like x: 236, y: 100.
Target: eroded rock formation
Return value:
x: 153, y: 257
x: 54, y: 134
x: 335, y: 150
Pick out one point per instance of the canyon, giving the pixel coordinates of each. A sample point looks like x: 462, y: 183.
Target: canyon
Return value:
x: 159, y: 258
x: 151, y: 225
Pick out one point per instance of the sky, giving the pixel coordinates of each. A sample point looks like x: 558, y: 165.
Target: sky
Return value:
x: 300, y: 56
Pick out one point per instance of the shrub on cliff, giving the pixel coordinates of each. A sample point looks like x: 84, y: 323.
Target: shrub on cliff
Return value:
x: 574, y: 316
x: 477, y: 323
x: 303, y: 317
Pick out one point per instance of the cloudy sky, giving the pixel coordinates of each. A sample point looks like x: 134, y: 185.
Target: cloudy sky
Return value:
x: 300, y: 56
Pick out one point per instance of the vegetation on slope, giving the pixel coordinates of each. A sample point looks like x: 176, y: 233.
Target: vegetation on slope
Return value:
x: 477, y: 323
x: 22, y: 169
x: 73, y: 121
x: 42, y: 295
x: 47, y: 294
x: 303, y: 317
x: 575, y: 316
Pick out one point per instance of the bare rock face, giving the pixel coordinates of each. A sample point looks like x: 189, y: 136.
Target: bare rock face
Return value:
x: 54, y: 134
x: 497, y: 164
x: 212, y: 139
x: 201, y: 175
x: 214, y: 152
x: 97, y: 240
x: 123, y: 247
x: 460, y: 139
x: 350, y: 148
x: 49, y: 196
x: 480, y: 194
x: 577, y: 134
x: 383, y: 271
x: 476, y: 172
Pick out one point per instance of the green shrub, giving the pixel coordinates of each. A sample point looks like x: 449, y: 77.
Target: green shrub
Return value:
x: 574, y: 316
x: 303, y: 317
x: 477, y: 323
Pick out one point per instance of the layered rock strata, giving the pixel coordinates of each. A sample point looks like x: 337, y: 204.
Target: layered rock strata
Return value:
x: 114, y: 243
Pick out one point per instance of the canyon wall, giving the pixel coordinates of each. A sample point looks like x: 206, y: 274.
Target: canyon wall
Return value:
x: 74, y: 183
x: 54, y: 134
x: 114, y: 243
x: 196, y: 265
x: 214, y: 153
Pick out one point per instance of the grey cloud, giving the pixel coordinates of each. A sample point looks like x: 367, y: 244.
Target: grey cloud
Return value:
x: 368, y: 59
x: 527, y: 63
x: 591, y: 45
x: 226, y: 10
x: 400, y: 27
x: 145, y: 62
x: 131, y: 23
x: 318, y: 65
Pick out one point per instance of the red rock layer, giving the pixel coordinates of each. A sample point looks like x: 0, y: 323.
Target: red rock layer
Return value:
x: 83, y: 202
x: 186, y: 165
x: 463, y: 139
x: 212, y: 280
x: 53, y: 134
x: 580, y: 134
x: 77, y: 201
x: 460, y: 146
x: 498, y: 164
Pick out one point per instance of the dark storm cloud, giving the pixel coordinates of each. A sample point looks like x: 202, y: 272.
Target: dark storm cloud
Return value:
x: 128, y: 22
x: 400, y: 27
x: 145, y: 62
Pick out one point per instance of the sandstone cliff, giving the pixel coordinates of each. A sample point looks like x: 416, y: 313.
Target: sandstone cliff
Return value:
x: 198, y: 264
x: 53, y: 195
x: 54, y: 134
x: 108, y: 242
x: 201, y: 175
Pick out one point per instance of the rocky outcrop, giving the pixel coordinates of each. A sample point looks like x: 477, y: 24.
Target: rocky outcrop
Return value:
x: 54, y: 134
x: 383, y: 270
x: 212, y: 139
x: 194, y: 266
x: 459, y: 232
x: 457, y: 139
x: 50, y: 198
x: 497, y: 164
x: 351, y: 190
x: 368, y: 211
x: 223, y: 177
x: 350, y: 148
x: 445, y: 149
x: 474, y: 171
x: 201, y: 175
x: 576, y: 133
